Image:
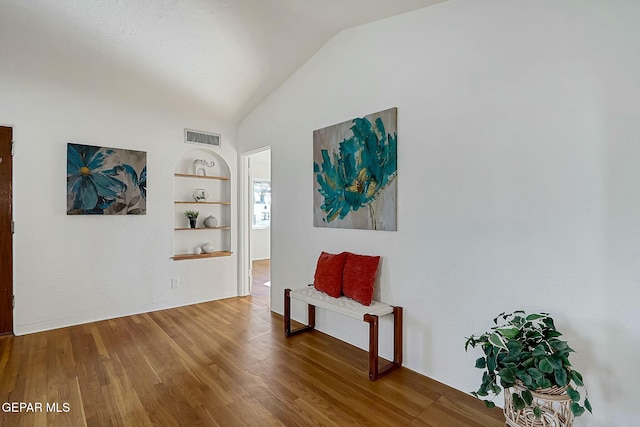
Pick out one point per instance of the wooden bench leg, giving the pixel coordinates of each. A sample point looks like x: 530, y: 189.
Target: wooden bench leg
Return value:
x: 397, y: 335
x: 287, y: 312
x: 373, y: 345
x: 311, y: 316
x: 374, y: 370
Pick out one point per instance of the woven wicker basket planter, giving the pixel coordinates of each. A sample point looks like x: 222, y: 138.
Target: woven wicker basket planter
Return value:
x: 554, y: 402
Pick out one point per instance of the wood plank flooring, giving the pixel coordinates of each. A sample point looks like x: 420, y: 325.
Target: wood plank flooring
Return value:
x: 261, y: 273
x: 221, y: 363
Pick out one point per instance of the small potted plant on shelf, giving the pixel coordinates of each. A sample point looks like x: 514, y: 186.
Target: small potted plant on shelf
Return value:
x: 524, y: 356
x: 193, y: 217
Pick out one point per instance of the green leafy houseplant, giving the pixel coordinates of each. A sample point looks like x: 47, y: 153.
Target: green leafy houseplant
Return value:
x: 192, y: 214
x: 525, y: 350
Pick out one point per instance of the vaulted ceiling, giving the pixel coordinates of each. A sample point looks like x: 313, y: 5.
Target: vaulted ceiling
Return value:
x: 227, y: 55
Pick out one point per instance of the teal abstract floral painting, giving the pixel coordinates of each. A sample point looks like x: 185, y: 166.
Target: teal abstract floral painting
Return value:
x: 355, y: 173
x: 106, y: 181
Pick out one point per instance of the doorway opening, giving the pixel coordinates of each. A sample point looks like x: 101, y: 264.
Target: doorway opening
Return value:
x: 256, y: 207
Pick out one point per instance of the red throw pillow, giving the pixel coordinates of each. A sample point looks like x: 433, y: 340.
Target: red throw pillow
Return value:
x: 328, y: 277
x: 359, y: 277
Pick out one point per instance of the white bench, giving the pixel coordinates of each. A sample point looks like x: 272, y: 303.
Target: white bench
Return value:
x: 350, y: 308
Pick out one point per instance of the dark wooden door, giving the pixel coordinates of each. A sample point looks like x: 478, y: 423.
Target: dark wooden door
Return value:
x: 6, y: 234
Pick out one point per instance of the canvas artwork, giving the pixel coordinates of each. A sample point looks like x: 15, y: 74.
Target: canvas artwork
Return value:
x: 355, y: 173
x: 106, y: 181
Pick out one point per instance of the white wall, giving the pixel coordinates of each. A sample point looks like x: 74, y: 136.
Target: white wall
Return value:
x: 56, y: 88
x: 261, y: 237
x: 517, y: 171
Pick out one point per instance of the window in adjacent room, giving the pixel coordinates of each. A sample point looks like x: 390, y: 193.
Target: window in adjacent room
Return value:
x: 261, y: 203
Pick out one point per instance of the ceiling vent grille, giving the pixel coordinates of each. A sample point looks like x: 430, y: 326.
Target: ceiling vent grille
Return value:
x: 198, y: 137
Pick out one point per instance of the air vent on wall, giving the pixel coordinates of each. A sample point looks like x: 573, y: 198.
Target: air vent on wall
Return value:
x: 198, y: 137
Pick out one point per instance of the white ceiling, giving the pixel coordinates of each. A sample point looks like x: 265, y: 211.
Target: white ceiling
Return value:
x: 227, y: 55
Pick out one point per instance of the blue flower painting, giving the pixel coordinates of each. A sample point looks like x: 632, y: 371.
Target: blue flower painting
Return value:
x: 106, y: 181
x: 355, y: 171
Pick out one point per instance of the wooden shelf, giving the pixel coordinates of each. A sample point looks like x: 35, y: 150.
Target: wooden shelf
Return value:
x: 182, y: 201
x: 177, y: 202
x: 203, y: 228
x: 181, y: 257
x: 186, y: 175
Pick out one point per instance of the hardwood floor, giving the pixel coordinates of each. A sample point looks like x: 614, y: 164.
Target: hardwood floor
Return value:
x: 223, y: 363
x: 261, y: 274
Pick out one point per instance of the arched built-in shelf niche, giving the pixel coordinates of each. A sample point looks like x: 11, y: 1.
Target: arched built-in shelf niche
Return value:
x: 217, y: 184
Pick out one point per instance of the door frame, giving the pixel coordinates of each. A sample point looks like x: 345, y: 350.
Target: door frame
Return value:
x: 10, y: 291
x: 246, y: 212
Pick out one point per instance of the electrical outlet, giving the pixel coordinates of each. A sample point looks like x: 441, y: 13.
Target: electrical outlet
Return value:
x: 175, y: 283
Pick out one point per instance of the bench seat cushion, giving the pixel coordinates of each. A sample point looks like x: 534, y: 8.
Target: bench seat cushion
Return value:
x: 343, y: 305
